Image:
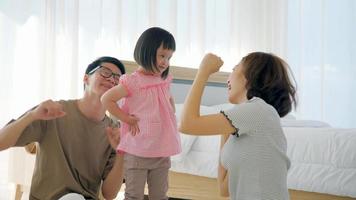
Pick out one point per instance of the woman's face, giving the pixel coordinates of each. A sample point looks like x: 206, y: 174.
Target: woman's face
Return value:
x: 237, y: 85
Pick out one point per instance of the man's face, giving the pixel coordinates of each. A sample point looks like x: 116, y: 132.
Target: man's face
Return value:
x: 103, y: 78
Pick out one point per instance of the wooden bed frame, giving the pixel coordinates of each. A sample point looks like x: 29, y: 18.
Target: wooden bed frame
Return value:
x: 187, y: 186
x: 182, y: 73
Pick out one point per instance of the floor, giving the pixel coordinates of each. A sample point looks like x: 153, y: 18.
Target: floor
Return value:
x: 7, y: 191
x: 120, y: 196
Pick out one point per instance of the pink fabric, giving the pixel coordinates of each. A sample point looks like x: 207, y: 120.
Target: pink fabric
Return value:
x: 148, y: 99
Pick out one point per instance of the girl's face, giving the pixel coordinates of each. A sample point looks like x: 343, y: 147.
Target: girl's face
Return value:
x: 237, y: 85
x: 162, y: 59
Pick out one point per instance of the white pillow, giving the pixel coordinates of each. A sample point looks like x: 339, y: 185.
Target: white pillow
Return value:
x: 179, y: 108
x: 303, y: 123
x: 224, y: 106
x: 287, y: 121
x: 207, y: 110
x: 289, y: 116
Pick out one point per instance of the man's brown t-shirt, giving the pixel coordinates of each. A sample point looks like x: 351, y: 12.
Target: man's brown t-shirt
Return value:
x: 74, y: 154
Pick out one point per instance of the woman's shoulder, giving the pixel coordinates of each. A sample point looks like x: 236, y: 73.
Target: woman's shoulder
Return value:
x: 253, y: 106
x: 262, y: 106
x: 250, y: 104
x: 257, y: 102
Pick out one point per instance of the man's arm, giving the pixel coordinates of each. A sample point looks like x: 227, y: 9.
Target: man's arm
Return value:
x: 47, y: 110
x: 113, y: 181
x: 10, y: 133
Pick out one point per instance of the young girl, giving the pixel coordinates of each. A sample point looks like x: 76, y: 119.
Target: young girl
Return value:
x: 149, y: 132
x: 253, y: 163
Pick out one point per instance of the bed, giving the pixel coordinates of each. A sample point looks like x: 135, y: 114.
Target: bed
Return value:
x: 323, y: 159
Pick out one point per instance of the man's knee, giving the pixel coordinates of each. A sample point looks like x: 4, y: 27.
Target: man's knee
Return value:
x: 72, y: 196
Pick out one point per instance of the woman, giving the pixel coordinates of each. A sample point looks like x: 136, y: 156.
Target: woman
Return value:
x: 253, y: 162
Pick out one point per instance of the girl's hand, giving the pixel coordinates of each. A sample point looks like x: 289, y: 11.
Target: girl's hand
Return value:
x: 210, y: 64
x: 133, y: 122
x: 47, y: 110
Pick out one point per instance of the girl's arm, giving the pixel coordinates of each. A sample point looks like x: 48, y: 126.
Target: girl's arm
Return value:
x: 191, y: 121
x: 222, y: 172
x: 110, y: 99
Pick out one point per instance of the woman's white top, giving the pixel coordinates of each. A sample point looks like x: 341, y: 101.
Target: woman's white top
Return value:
x: 256, y: 158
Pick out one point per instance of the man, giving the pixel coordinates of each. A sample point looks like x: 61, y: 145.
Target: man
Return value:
x: 76, y: 140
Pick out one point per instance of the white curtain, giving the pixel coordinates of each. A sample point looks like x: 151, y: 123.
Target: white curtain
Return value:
x: 45, y: 45
x: 322, y: 53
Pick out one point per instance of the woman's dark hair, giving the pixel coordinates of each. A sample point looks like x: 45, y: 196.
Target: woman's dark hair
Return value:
x: 147, y: 45
x: 106, y: 59
x: 268, y: 78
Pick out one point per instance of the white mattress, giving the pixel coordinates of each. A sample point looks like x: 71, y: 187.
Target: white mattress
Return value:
x: 323, y: 159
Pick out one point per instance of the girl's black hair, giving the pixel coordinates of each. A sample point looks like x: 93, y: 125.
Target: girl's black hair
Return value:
x: 147, y: 45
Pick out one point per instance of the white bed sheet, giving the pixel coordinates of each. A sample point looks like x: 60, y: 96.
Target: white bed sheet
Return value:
x: 323, y: 159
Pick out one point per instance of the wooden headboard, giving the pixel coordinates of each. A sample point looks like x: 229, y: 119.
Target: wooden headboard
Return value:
x: 215, y: 91
x: 182, y: 73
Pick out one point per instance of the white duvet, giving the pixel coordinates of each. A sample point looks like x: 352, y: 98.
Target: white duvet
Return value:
x: 323, y: 159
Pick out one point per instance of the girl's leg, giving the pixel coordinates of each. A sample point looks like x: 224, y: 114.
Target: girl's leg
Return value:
x: 157, y: 180
x: 135, y: 178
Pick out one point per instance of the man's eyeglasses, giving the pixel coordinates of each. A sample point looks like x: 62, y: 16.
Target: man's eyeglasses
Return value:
x: 106, y: 73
